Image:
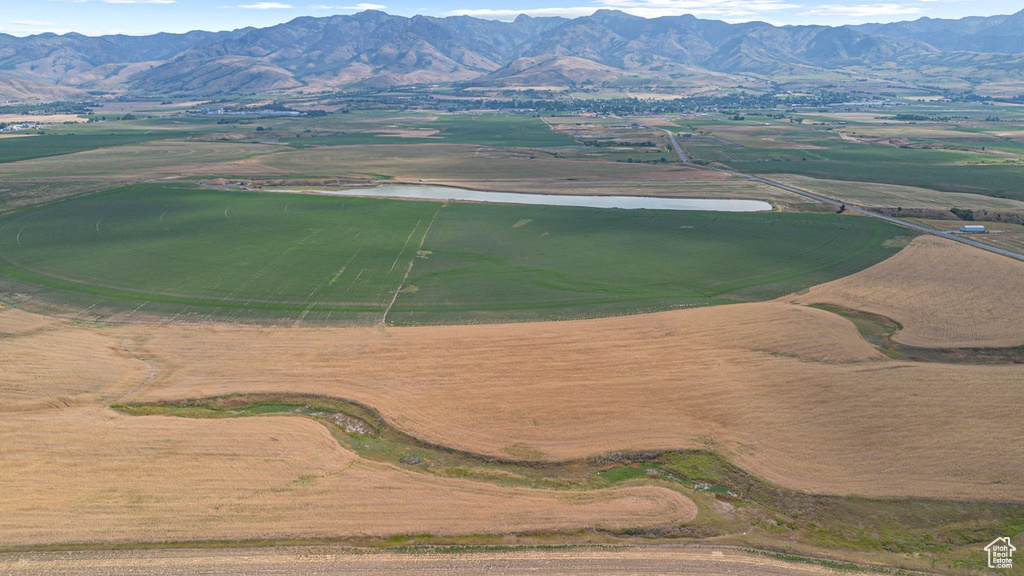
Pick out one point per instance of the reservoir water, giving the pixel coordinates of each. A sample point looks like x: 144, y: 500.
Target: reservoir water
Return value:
x: 624, y: 202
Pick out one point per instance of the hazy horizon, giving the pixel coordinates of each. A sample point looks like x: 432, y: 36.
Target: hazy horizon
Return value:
x: 144, y: 17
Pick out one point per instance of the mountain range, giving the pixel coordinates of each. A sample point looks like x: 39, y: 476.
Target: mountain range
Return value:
x: 609, y: 48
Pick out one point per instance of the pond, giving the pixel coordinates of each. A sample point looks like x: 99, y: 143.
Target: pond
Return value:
x: 624, y: 202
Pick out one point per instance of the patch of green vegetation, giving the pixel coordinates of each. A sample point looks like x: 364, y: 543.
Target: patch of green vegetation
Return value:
x: 28, y: 147
x: 623, y: 473
x: 163, y: 249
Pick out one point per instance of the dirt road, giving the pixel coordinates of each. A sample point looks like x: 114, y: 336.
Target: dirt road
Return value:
x: 341, y: 561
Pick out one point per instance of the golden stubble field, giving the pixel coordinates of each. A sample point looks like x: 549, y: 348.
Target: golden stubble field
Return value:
x: 791, y: 393
x: 945, y: 294
x: 73, y: 470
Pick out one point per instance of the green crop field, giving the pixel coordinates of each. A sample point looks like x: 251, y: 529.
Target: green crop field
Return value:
x: 160, y: 250
x: 498, y: 130
x: 976, y: 158
x: 28, y: 147
x: 935, y: 169
x: 493, y: 262
x: 489, y: 130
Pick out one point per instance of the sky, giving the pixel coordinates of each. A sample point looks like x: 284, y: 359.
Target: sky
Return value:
x: 137, y: 17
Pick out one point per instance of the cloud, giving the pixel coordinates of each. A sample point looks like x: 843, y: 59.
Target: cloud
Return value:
x: 360, y: 7
x: 656, y: 8
x: 34, y: 23
x: 862, y: 10
x: 500, y: 14
x: 266, y: 6
x: 140, y: 1
x: 645, y: 8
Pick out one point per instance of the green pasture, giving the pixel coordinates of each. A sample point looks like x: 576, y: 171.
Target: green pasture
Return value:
x: 485, y: 130
x: 56, y: 144
x: 162, y: 250
x: 513, y: 262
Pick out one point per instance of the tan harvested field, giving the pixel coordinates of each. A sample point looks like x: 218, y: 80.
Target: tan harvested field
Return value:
x: 44, y: 363
x: 1002, y: 234
x: 88, y: 475
x: 74, y: 470
x: 891, y: 196
x: 791, y: 393
x: 41, y: 119
x: 316, y: 560
x: 945, y: 294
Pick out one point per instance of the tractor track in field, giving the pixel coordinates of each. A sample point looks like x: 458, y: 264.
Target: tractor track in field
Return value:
x: 408, y: 270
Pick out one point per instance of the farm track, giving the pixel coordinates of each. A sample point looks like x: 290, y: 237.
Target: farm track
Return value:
x: 323, y: 560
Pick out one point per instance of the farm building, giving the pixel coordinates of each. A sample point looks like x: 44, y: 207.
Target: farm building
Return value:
x: 973, y: 229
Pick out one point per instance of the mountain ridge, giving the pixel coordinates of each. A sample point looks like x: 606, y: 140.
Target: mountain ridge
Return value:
x: 609, y: 48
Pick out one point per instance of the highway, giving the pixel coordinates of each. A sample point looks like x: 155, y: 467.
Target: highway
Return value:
x: 679, y: 149
x: 898, y: 221
x: 839, y: 203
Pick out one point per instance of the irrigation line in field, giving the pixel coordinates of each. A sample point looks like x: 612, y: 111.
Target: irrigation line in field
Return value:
x: 408, y: 270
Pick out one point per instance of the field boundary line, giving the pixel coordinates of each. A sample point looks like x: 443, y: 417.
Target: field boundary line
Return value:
x: 408, y: 270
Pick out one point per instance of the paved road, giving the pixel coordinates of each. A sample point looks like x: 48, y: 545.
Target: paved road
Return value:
x: 679, y: 149
x: 837, y: 203
x: 898, y: 221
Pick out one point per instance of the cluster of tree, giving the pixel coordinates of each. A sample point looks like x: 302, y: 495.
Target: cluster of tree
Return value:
x: 533, y: 102
x: 662, y: 160
x: 49, y: 108
x: 614, y: 143
x: 963, y: 213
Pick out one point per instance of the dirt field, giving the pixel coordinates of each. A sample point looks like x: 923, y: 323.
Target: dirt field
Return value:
x: 327, y: 560
x: 944, y: 294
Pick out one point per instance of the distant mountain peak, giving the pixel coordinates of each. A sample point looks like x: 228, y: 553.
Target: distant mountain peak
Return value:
x: 609, y: 47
